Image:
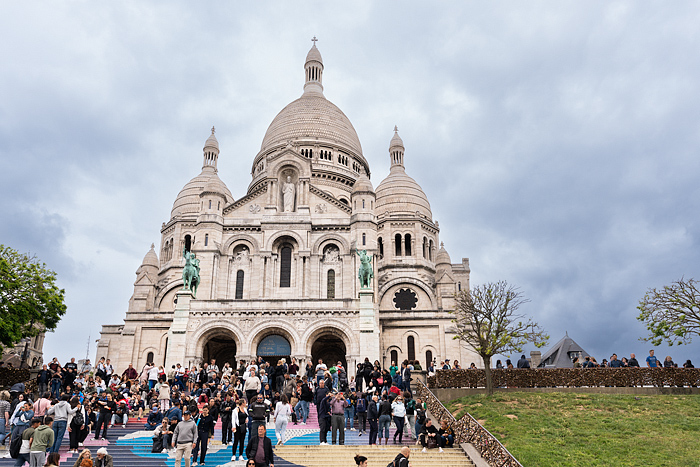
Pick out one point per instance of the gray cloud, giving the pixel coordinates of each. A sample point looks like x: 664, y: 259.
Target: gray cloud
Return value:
x: 557, y: 143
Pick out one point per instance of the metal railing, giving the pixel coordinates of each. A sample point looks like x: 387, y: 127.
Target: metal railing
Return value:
x: 468, y: 430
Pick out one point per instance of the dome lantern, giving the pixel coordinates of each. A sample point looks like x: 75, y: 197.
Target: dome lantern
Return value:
x: 396, y: 149
x: 211, y: 151
x: 313, y: 69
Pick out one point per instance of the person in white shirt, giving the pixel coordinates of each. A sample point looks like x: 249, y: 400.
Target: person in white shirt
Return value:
x: 283, y: 411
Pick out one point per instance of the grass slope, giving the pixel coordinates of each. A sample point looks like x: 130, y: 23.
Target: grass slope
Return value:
x: 566, y: 429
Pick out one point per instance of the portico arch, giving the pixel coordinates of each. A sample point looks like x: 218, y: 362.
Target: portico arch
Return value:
x: 332, y: 343
x: 218, y: 340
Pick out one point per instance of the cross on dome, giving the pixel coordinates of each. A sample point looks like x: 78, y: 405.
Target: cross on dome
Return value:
x: 396, y: 129
x: 314, y: 40
x: 213, y: 130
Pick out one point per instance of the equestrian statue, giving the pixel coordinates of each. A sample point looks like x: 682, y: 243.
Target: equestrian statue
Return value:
x: 365, y: 274
x: 190, y: 273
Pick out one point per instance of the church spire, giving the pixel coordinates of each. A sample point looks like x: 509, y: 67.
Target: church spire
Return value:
x: 313, y: 69
x: 396, y: 150
x: 211, y: 151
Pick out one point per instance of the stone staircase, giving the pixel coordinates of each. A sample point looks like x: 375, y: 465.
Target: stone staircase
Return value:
x: 380, y: 456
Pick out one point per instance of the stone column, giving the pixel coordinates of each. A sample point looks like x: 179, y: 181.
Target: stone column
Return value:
x: 369, y: 326
x: 177, y: 335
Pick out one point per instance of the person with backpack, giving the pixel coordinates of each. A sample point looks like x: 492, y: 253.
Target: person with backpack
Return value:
x: 401, y: 460
x: 20, y: 446
x: 420, y: 417
x: 361, y: 410
x: 78, y: 430
x: 42, y: 440
x: 410, y: 413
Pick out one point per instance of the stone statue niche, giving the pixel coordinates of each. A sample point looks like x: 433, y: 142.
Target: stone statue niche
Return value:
x: 288, y: 191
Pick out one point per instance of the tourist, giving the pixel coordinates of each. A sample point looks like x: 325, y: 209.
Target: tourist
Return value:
x: 162, y: 436
x: 226, y: 410
x: 429, y: 436
x: 43, y: 378
x: 509, y: 364
x: 373, y: 417
x: 4, y: 415
x: 164, y: 396
x: 338, y: 405
x: 42, y: 441
x: 361, y: 411
x: 405, y: 377
x: 84, y: 454
x: 350, y: 411
x: 410, y: 404
x: 456, y: 365
x: 668, y: 362
x: 305, y: 398
x: 240, y: 419
x: 61, y: 412
x: 205, y: 428
x: 688, y: 364
x: 107, y: 407
x: 447, y: 436
x: 420, y: 417
x: 104, y: 459
x: 154, y: 418
x: 384, y: 419
x: 260, y: 449
x: 361, y: 461
x: 120, y: 415
x: 77, y: 428
x: 283, y: 412
x: 523, y: 363
x: 252, y: 386
x: 324, y: 417
x: 652, y: 361
x: 25, y: 449
x: 624, y: 363
x: 398, y: 412
x: 184, y: 439
x: 54, y: 460
x: 257, y: 413
x: 614, y: 362
x: 401, y: 460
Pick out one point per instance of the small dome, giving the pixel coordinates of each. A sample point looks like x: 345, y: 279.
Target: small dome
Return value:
x: 314, y: 55
x: 399, y: 193
x: 212, y: 142
x: 151, y: 259
x: 442, y: 256
x: 188, y: 202
x: 362, y: 184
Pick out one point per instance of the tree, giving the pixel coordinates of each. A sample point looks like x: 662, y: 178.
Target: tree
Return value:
x: 30, y: 301
x: 672, y: 313
x: 486, y: 318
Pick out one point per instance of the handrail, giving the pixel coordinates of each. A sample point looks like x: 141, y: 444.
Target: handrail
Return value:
x: 468, y: 430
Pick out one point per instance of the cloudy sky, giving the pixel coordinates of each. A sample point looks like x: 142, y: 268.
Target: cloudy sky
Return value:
x: 557, y: 141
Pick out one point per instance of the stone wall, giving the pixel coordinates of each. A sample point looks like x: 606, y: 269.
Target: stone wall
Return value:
x: 568, y: 377
x: 468, y: 430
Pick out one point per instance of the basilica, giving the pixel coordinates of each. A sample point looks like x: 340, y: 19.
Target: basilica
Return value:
x: 279, y: 265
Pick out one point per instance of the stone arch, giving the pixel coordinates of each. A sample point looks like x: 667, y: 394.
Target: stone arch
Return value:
x: 416, y: 343
x: 279, y: 162
x: 274, y: 239
x: 337, y: 328
x: 408, y: 280
x: 267, y: 328
x: 252, y: 243
x: 317, y: 248
x: 205, y: 332
x: 168, y: 288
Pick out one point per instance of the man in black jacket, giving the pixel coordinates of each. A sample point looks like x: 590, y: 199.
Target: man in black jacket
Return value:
x: 226, y: 409
x: 205, y: 428
x: 324, y: 418
x: 401, y: 460
x: 372, y: 417
x: 428, y: 431
x: 260, y: 449
x: 257, y: 413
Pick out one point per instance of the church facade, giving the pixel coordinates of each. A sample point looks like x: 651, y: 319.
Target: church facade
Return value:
x: 279, y: 266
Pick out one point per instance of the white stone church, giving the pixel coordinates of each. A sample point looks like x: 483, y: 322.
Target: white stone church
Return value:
x: 279, y: 265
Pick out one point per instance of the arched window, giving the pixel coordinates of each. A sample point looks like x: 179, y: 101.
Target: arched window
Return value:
x: 188, y: 242
x: 428, y: 358
x: 407, y: 245
x: 363, y: 203
x: 380, y: 242
x: 425, y: 248
x: 149, y: 357
x: 331, y: 284
x: 394, y: 357
x: 459, y: 286
x: 397, y: 240
x: 364, y: 239
x: 209, y: 204
x: 240, y: 276
x: 206, y: 239
x: 411, y: 348
x: 286, y: 265
x: 430, y: 250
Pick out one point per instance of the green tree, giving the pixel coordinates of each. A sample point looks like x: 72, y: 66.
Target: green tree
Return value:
x: 672, y: 313
x: 487, y: 319
x: 30, y: 301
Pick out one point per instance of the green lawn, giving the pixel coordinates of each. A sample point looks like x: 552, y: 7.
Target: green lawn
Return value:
x: 565, y: 429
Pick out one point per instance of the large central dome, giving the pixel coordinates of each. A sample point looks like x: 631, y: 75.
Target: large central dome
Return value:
x: 312, y: 116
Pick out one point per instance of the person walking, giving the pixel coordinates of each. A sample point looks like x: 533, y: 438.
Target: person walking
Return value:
x: 398, y: 411
x: 184, y: 439
x: 260, y: 449
x: 42, y: 440
x: 205, y: 428
x: 240, y: 420
x: 384, y: 419
x: 61, y: 412
x: 373, y: 417
x: 281, y: 417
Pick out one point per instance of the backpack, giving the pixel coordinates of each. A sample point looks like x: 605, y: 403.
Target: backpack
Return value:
x: 15, y: 446
x: 361, y: 405
x: 78, y: 418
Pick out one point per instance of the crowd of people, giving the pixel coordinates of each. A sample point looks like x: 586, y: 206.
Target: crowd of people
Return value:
x: 182, y: 405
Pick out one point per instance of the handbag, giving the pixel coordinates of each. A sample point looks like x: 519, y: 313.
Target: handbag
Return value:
x: 432, y: 442
x: 380, y: 381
